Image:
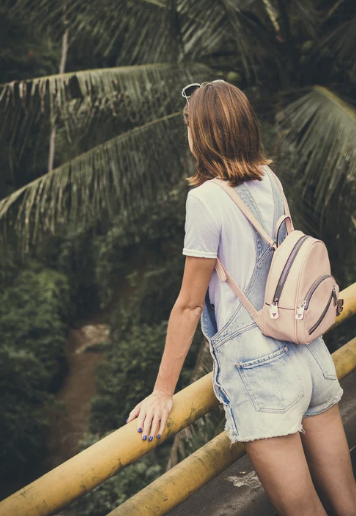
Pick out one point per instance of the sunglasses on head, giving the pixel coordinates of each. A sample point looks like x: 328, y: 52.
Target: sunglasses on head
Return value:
x: 188, y: 90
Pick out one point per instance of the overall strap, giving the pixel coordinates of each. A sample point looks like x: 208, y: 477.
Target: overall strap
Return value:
x: 245, y: 210
x: 286, y: 207
x: 225, y: 276
x: 222, y: 272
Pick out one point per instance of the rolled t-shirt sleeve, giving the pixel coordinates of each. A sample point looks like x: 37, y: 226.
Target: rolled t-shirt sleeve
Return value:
x: 202, y: 233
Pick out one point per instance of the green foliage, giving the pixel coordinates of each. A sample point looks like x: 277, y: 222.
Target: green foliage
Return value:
x: 23, y: 404
x: 321, y: 127
x: 25, y: 52
x: 29, y: 53
x: 98, y: 260
x: 147, y: 250
x: 32, y: 311
x: 9, y: 264
x: 73, y: 253
x: 32, y: 362
x: 154, y: 293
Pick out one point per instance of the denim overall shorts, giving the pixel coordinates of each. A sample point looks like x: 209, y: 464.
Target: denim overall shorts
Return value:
x: 266, y: 385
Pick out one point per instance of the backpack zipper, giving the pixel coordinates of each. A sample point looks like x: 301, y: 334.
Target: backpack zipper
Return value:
x: 273, y: 311
x: 319, y: 321
x: 299, y: 315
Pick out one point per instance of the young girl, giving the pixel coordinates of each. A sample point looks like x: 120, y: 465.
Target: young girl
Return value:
x: 280, y: 398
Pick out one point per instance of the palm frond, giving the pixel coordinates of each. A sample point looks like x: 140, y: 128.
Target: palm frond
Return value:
x: 210, y: 26
x: 136, y: 94
x: 139, y: 26
x: 142, y: 28
x: 341, y: 45
x: 119, y: 175
x: 204, y: 27
x: 321, y: 127
x: 158, y: 31
x: 240, y: 34
x: 308, y: 14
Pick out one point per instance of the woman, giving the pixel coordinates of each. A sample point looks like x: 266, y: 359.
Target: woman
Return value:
x: 286, y: 412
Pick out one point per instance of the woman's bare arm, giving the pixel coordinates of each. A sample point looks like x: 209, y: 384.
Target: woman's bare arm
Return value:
x: 153, y: 411
x: 183, y: 321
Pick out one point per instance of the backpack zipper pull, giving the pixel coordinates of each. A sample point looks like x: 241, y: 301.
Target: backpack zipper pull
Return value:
x: 300, y: 311
x: 273, y: 310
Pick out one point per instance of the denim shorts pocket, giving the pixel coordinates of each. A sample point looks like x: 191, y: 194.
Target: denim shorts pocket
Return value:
x: 272, y: 381
x: 323, y: 358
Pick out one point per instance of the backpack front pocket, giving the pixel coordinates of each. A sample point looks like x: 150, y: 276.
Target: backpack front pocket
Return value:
x: 272, y: 381
x: 317, y: 312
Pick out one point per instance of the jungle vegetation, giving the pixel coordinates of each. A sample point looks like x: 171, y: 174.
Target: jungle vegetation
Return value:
x: 94, y: 156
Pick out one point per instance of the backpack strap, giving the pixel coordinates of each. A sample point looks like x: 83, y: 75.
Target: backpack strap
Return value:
x: 286, y: 207
x: 279, y: 223
x: 245, y: 210
x: 222, y: 272
x: 225, y: 276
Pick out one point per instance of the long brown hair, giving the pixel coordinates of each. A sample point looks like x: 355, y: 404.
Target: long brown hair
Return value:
x: 225, y: 134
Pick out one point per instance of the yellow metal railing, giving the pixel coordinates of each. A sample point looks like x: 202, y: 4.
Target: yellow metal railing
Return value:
x: 90, y: 468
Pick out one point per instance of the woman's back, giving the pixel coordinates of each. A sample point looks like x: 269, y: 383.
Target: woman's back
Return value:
x: 216, y: 227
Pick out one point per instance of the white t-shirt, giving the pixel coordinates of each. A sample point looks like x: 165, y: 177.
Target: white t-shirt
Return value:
x: 215, y: 226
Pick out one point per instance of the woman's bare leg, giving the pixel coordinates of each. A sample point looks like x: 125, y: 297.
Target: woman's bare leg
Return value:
x: 281, y: 466
x: 327, y: 452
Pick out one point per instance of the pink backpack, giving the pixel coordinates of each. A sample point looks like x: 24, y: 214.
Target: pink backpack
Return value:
x: 301, y: 297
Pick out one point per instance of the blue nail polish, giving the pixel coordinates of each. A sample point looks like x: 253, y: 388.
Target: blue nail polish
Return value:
x: 144, y: 437
x: 158, y: 436
x: 127, y: 420
x: 139, y: 430
x: 150, y: 438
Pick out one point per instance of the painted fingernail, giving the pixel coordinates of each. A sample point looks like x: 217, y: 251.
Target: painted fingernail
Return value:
x: 158, y: 436
x: 144, y: 437
x: 139, y: 430
x: 150, y: 438
x: 127, y: 420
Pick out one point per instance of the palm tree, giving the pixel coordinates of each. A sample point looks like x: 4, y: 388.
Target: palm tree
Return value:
x: 163, y: 45
x: 296, y: 60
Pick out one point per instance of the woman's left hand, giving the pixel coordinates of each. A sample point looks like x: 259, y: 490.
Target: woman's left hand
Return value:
x: 151, y: 413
